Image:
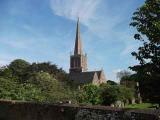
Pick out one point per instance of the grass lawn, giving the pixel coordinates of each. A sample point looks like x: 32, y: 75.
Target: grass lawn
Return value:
x: 141, y: 106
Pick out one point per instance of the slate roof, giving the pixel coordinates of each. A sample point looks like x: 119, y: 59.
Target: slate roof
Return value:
x: 84, y: 77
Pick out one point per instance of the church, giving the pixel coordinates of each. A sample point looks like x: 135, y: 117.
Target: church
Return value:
x: 78, y: 73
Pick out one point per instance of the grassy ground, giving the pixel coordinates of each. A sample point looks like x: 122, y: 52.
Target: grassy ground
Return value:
x: 141, y: 106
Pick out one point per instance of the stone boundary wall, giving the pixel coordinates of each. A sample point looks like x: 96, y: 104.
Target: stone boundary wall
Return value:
x: 14, y: 110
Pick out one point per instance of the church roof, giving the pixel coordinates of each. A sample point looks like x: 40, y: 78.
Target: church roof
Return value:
x: 85, y: 77
x: 98, y: 73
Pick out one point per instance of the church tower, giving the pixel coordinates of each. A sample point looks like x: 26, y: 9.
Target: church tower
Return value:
x: 78, y: 61
x: 78, y: 73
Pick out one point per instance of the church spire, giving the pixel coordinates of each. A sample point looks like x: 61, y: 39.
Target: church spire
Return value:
x: 78, y: 61
x: 78, y: 44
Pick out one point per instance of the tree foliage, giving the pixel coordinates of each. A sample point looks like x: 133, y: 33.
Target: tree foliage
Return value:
x: 110, y: 82
x: 12, y: 90
x: 89, y: 94
x: 104, y: 94
x: 52, y: 69
x: 21, y: 80
x: 127, y: 79
x: 18, y: 68
x: 146, y: 20
x: 52, y: 89
x: 112, y: 93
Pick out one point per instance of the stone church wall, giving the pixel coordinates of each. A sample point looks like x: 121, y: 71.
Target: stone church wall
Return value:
x: 11, y: 110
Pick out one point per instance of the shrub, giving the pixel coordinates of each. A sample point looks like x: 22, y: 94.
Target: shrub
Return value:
x: 89, y: 94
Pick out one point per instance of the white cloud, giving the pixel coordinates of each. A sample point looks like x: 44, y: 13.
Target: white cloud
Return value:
x: 72, y: 9
x: 89, y: 12
x: 100, y: 20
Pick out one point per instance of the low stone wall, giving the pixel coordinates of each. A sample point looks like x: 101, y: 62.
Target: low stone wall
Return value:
x: 12, y: 110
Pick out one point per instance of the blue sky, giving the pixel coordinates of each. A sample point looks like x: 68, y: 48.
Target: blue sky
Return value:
x: 44, y: 30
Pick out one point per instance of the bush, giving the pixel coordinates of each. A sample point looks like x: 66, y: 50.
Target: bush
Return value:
x: 52, y: 89
x: 41, y: 87
x: 12, y: 90
x: 89, y: 94
x: 112, y: 93
x: 21, y: 80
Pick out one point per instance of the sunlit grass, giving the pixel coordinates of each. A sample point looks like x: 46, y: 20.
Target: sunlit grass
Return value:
x: 141, y: 106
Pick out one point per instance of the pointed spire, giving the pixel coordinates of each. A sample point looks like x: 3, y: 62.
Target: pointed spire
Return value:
x: 78, y: 44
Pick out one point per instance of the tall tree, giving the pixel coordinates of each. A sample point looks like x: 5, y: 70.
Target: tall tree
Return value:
x: 146, y: 20
x: 57, y: 73
x: 18, y: 68
x: 89, y: 94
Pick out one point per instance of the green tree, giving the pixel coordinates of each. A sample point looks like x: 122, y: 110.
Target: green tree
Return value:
x: 146, y: 20
x: 126, y: 94
x: 52, y: 89
x: 127, y: 79
x: 23, y: 70
x: 21, y: 80
x: 52, y: 69
x: 19, y: 69
x: 112, y: 93
x: 5, y: 72
x: 13, y: 90
x: 110, y: 82
x: 109, y: 94
x: 89, y: 94
x: 7, y: 89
